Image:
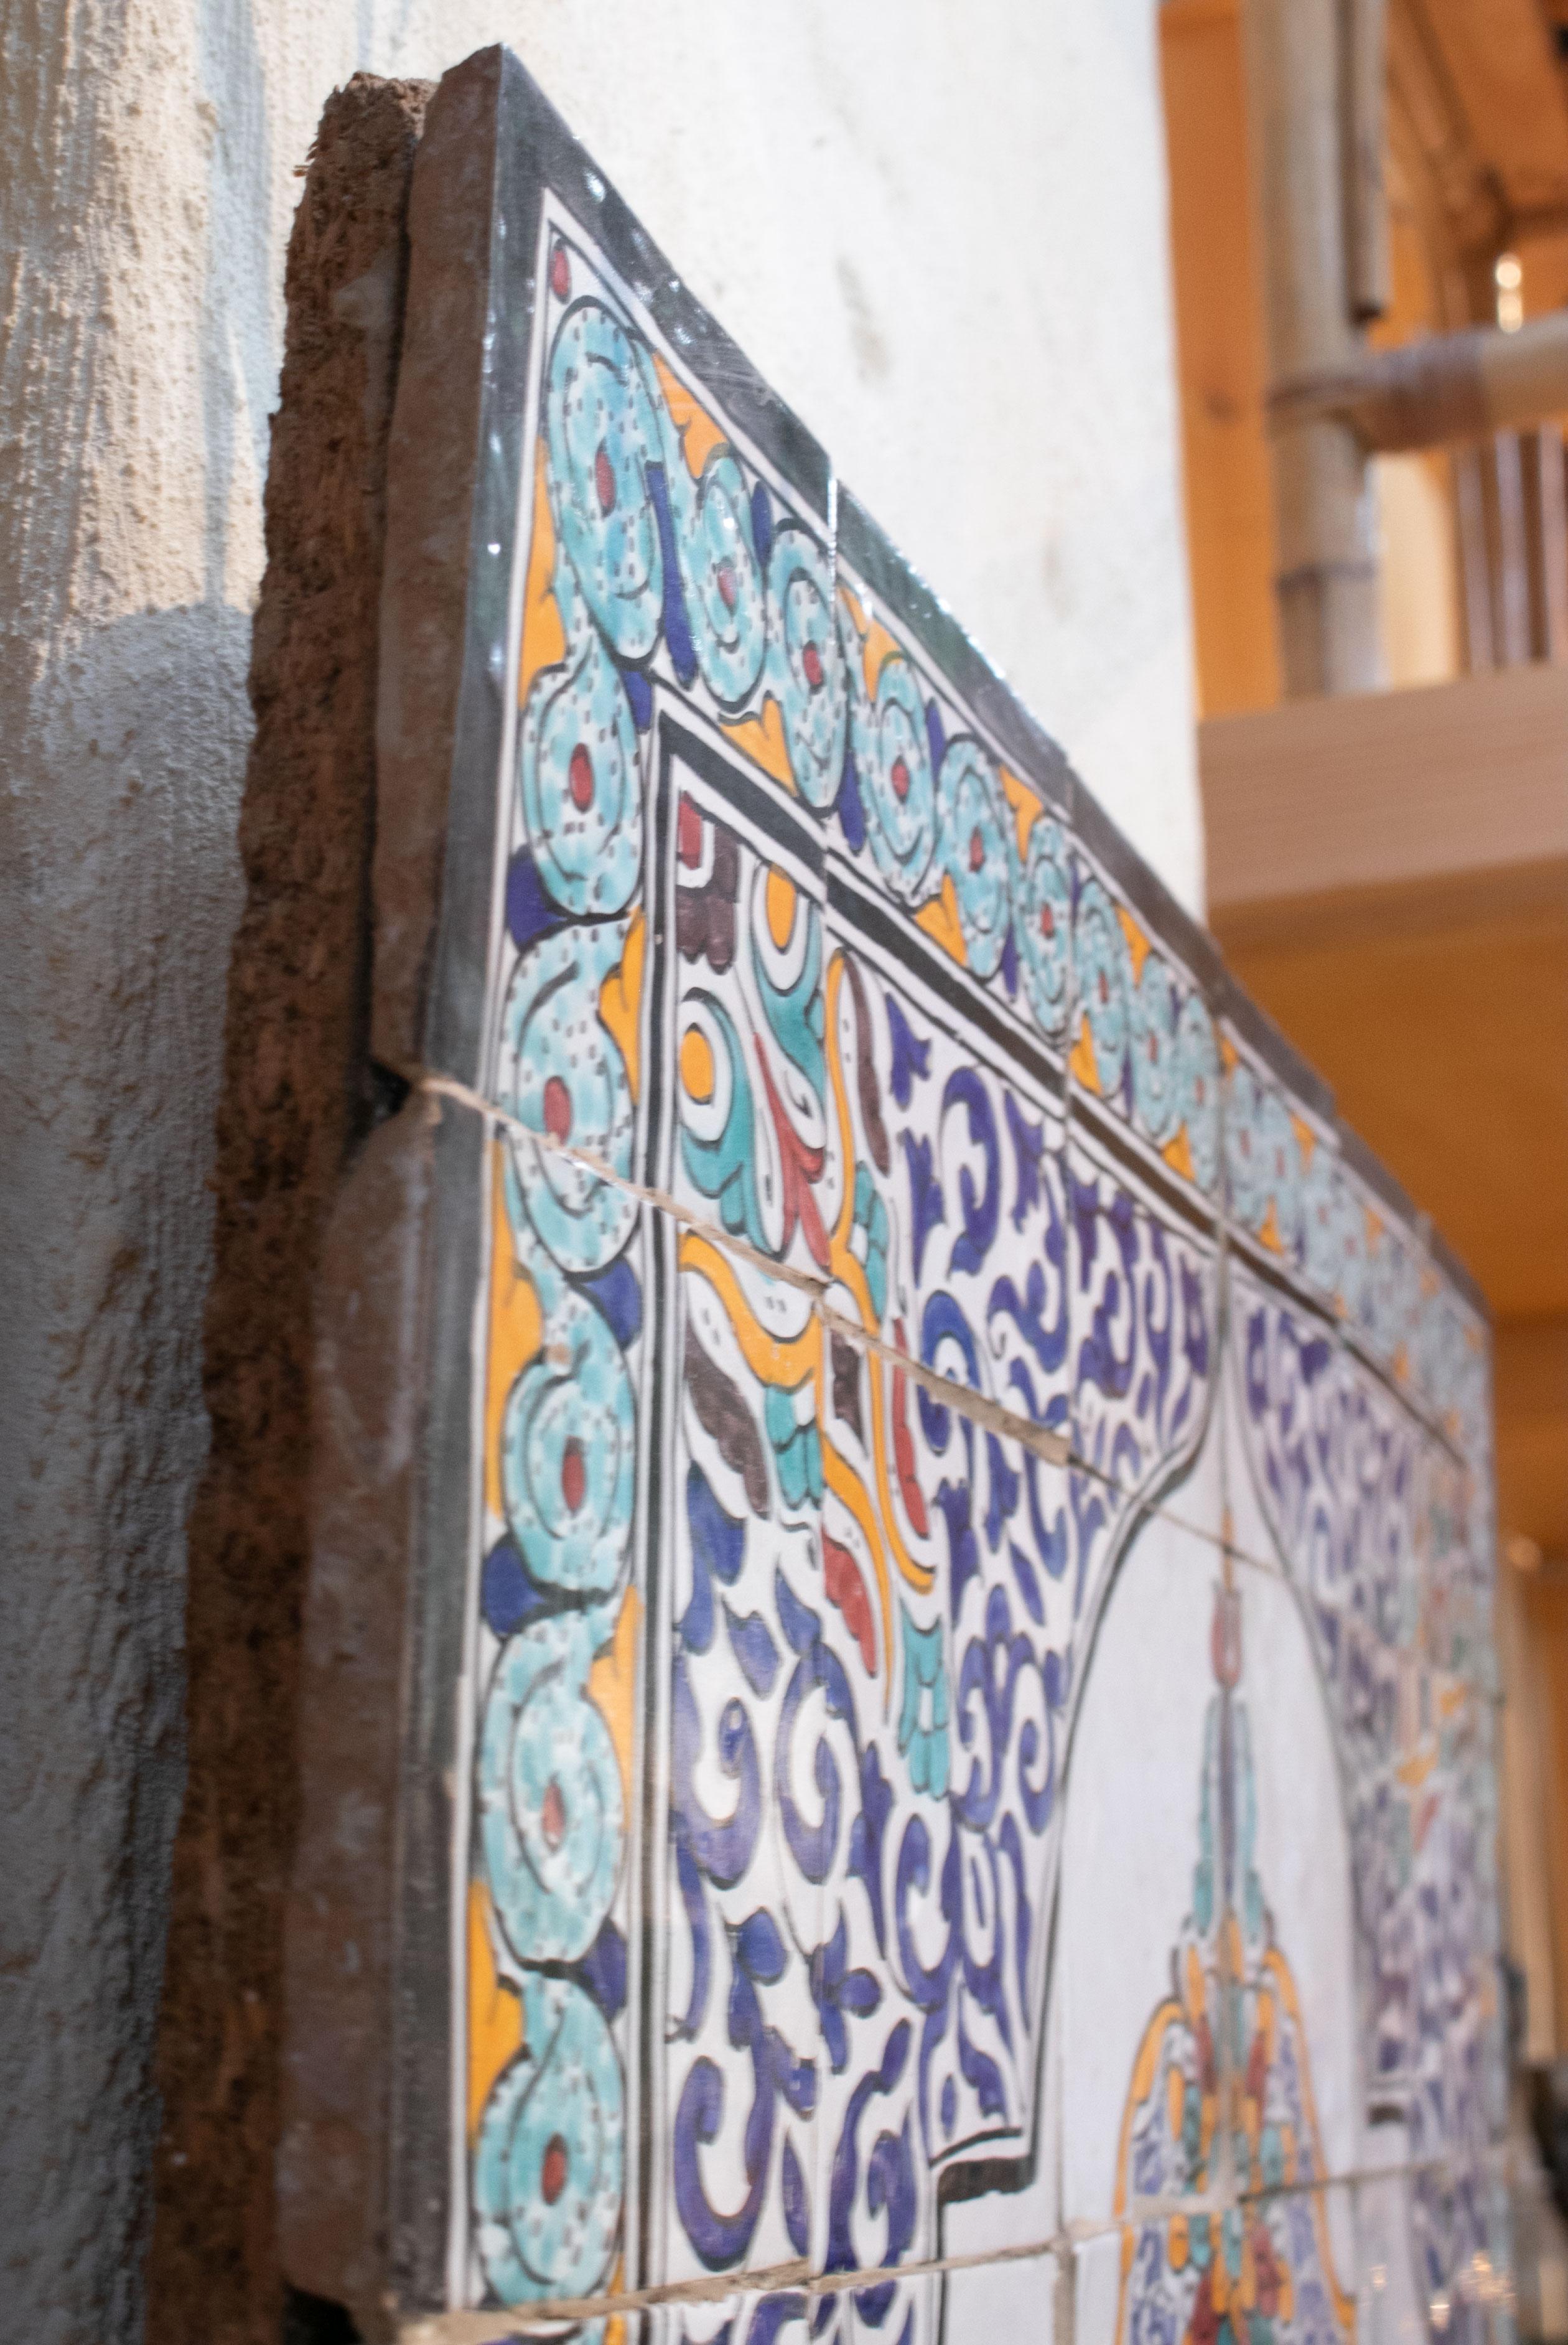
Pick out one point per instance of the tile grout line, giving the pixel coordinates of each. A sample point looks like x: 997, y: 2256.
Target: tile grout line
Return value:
x: 989, y: 1415
x: 547, y: 2316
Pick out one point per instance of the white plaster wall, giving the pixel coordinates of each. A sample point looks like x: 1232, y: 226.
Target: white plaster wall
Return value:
x: 939, y: 229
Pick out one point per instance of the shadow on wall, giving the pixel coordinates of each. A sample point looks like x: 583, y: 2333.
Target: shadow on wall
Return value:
x: 119, y: 888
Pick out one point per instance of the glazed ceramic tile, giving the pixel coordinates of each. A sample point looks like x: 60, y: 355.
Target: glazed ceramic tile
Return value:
x: 1436, y: 2257
x: 1144, y: 1900
x: 1283, y: 2266
x: 1144, y: 1170
x: 945, y: 1505
x: 1297, y: 1908
x: 1016, y: 2298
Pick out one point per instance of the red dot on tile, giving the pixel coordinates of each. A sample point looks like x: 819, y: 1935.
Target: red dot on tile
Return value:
x: 1047, y: 922
x: 557, y: 1109
x: 811, y: 661
x: 689, y: 834
x: 553, y: 2170
x: 899, y: 778
x: 559, y: 273
x: 729, y: 587
x: 552, y: 1814
x: 580, y: 775
x: 604, y: 479
x: 976, y: 848
x: 573, y: 1476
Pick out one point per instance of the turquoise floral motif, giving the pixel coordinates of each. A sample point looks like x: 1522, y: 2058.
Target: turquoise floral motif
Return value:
x: 892, y: 760
x: 602, y: 432
x: 1105, y: 978
x: 549, y: 2166
x: 975, y: 852
x: 1153, y: 1051
x: 549, y: 1791
x: 719, y: 571
x: 578, y: 773
x: 1262, y: 1157
x: 563, y: 1075
x: 791, y: 1421
x: 569, y: 1439
x: 1044, y: 926
x: 803, y: 670
x: 1196, y: 1080
x: 868, y: 1237
x: 923, y: 1719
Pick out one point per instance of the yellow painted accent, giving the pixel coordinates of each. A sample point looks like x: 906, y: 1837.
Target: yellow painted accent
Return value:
x: 876, y: 649
x: 612, y: 1687
x: 780, y: 898
x: 1178, y: 1154
x: 1137, y: 941
x: 1194, y: 1993
x: 1027, y: 807
x: 1227, y: 1054
x: 621, y: 998
x: 494, y: 2010
x: 939, y: 919
x: 881, y: 1531
x: 1174, y: 2095
x: 1082, y: 1065
x: 697, y: 1063
x: 700, y: 435
x: 516, y: 1327
x: 1414, y: 1771
x: 1177, y: 2243
x: 845, y: 1483
x: 852, y: 605
x: 1374, y: 1229
x: 1452, y: 1699
x: 1145, y: 2061
x: 544, y: 637
x: 1269, y: 1235
x: 785, y: 1361
x: 1306, y: 1139
x: 1285, y: 1988
x: 762, y: 739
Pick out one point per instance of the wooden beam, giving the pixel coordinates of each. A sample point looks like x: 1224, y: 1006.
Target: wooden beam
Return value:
x: 1449, y: 781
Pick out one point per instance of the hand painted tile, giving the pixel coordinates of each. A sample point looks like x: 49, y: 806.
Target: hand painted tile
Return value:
x: 1143, y: 1905
x: 893, y: 1279
x: 1016, y: 2298
x: 1144, y: 1176
x: 1299, y: 1909
x: 1284, y: 2265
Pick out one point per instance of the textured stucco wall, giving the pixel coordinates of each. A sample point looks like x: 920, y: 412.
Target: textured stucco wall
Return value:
x: 939, y: 230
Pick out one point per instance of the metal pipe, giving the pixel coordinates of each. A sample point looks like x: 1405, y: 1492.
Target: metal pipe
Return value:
x: 1366, y: 259
x: 1326, y: 584
x: 1433, y: 394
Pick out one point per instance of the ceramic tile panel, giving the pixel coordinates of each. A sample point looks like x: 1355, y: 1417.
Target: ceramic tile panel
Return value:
x: 946, y: 1740
x: 1285, y: 2265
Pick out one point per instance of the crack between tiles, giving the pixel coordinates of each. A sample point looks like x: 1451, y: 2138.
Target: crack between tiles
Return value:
x: 547, y: 2317
x: 1054, y: 1449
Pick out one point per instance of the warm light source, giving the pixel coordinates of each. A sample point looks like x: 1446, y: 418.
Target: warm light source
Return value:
x: 1509, y: 278
x: 1522, y: 1553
